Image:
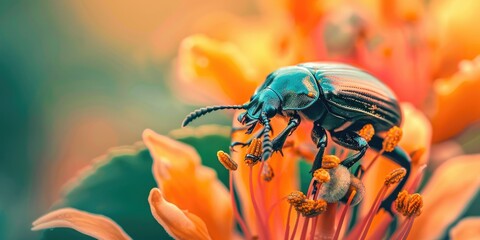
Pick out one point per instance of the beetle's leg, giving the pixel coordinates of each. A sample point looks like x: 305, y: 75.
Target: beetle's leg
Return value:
x: 279, y: 140
x: 399, y: 156
x: 353, y: 141
x: 319, y: 137
x: 243, y: 144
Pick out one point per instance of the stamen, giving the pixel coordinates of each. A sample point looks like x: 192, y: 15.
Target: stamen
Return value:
x: 330, y: 161
x: 226, y: 161
x: 389, y: 143
x: 409, y: 206
x: 321, y: 175
x: 254, y: 152
x: 287, y: 228
x: 312, y: 208
x: 401, y: 202
x: 392, y: 178
x: 395, y: 176
x: 367, y: 132
x: 344, y: 213
x: 263, y: 229
x: 296, y: 198
x: 238, y: 217
x: 267, y: 172
x: 391, y: 140
x: 415, y: 205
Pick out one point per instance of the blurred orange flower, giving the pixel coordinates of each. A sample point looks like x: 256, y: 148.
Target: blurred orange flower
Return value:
x: 406, y: 44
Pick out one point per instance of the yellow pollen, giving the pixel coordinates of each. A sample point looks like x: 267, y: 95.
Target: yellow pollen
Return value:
x: 267, y: 172
x: 395, y: 176
x: 321, y: 175
x: 254, y: 152
x: 296, y: 198
x: 312, y: 208
x: 415, y: 205
x: 402, y: 201
x: 367, y: 132
x: 226, y: 161
x: 391, y: 140
x: 330, y: 161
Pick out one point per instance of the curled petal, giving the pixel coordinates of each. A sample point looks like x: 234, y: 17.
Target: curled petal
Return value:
x: 97, y: 226
x: 468, y: 228
x: 206, y: 65
x: 449, y: 191
x: 179, y: 224
x: 189, y: 185
x: 456, y: 101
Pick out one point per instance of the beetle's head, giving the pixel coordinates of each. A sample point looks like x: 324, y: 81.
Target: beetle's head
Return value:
x: 265, y: 102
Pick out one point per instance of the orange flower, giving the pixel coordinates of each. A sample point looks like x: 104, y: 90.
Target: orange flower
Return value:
x: 190, y: 203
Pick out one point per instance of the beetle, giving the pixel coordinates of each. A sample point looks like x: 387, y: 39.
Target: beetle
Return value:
x: 337, y: 97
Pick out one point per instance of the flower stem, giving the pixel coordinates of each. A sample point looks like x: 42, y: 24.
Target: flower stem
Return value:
x: 344, y: 213
x: 287, y: 228
x: 239, y: 219
x: 373, y: 210
x: 295, y: 227
x: 258, y: 213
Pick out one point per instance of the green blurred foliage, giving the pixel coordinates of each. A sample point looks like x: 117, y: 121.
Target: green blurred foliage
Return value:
x: 53, y: 72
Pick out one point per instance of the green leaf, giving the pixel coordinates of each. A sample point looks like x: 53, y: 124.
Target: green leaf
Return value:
x: 117, y: 187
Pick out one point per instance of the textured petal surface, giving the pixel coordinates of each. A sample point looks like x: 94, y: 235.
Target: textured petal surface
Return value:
x: 466, y: 229
x: 187, y: 184
x: 97, y: 226
x: 179, y: 224
x: 449, y: 191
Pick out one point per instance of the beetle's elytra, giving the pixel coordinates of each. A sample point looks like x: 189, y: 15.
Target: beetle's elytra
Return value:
x: 338, y: 98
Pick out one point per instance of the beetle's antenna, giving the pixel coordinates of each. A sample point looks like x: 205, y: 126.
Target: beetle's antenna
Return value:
x: 202, y: 111
x: 267, y: 143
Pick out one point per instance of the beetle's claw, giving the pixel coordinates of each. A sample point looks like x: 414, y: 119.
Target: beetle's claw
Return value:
x: 234, y: 144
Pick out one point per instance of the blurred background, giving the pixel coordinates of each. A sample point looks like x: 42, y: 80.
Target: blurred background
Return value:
x: 77, y: 78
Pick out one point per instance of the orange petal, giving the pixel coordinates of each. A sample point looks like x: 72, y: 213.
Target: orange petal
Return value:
x: 189, y: 185
x: 216, y: 69
x: 452, y: 186
x: 468, y: 228
x: 179, y: 224
x: 456, y: 100
x: 457, y: 38
x: 97, y: 226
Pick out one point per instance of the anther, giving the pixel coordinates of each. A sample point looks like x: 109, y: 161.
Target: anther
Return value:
x: 415, y: 205
x: 296, y: 198
x: 321, y: 175
x: 312, y: 208
x: 267, y: 172
x: 401, y: 202
x: 226, y: 161
x: 254, y: 152
x: 391, y: 140
x: 367, y: 132
x: 395, y: 176
x: 330, y: 161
